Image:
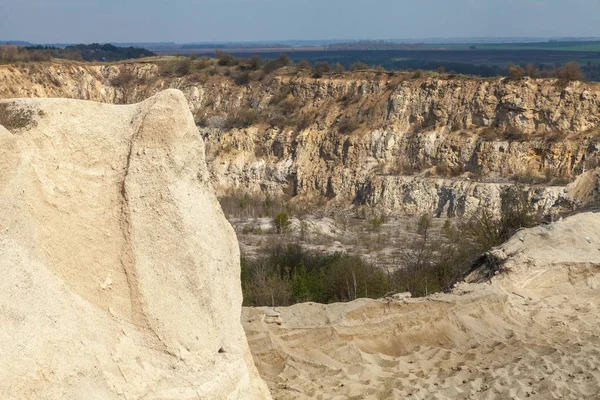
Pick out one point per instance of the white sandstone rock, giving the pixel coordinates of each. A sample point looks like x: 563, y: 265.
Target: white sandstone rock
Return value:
x: 91, y: 191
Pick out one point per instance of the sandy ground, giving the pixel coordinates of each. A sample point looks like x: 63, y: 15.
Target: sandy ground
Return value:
x: 532, y: 332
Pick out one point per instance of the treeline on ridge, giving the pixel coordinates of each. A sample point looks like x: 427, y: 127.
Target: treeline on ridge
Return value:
x: 80, y: 52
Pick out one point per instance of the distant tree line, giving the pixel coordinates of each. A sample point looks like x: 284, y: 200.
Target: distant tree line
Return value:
x: 81, y: 52
x: 242, y: 45
x: 569, y: 72
x: 374, y: 45
x: 108, y: 52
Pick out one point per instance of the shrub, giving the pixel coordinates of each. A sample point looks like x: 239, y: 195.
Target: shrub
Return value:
x: 303, y: 64
x: 288, y: 107
x: 241, y: 119
x: 284, y: 60
x: 285, y: 275
x: 348, y: 125
x: 282, y: 222
x: 377, y: 222
x: 280, y: 96
x: 430, y: 265
x: 305, y: 121
x: 570, y: 72
x: 339, y: 68
x: 13, y: 118
x: 418, y: 74
x: 532, y: 71
x: 320, y: 69
x: 271, y: 66
x: 516, y: 73
x: 242, y: 79
x: 358, y: 66
x: 183, y: 67
x: 254, y: 63
x: 225, y: 59
x: 199, y: 77
x: 490, y: 230
x: 202, y: 63
x: 244, y: 205
x: 123, y: 78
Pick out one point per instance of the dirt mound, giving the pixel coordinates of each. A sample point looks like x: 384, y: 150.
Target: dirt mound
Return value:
x: 529, y: 332
x: 120, y: 272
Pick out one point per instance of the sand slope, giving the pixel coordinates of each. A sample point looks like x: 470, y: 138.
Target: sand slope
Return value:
x: 532, y: 332
x: 120, y: 273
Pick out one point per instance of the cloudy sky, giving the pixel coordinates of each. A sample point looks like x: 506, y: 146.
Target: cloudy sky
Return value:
x: 47, y: 21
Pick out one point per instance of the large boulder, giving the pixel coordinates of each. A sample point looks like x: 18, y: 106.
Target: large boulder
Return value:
x: 120, y: 273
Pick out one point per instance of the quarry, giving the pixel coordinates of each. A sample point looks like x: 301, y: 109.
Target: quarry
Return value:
x: 142, y: 208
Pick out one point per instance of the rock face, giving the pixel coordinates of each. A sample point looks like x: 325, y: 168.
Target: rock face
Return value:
x: 365, y: 138
x: 120, y: 272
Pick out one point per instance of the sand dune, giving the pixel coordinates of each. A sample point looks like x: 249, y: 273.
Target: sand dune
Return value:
x: 531, y: 332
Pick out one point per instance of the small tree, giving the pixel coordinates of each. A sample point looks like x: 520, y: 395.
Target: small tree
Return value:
x: 532, y: 71
x: 357, y: 66
x: 225, y: 59
x: 242, y: 79
x: 339, y: 68
x: 377, y: 222
x: 570, y: 72
x: 282, y: 222
x: 516, y: 73
x: 320, y: 69
x: 284, y: 60
x: 418, y: 74
x: 303, y: 64
x: 183, y: 67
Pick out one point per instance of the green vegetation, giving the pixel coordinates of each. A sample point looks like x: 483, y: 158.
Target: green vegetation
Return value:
x: 321, y: 68
x: 282, y: 222
x: 377, y: 222
x: 185, y: 66
x: 455, y: 59
x: 244, y: 205
x: 285, y: 275
x: 80, y: 52
x: 107, y: 52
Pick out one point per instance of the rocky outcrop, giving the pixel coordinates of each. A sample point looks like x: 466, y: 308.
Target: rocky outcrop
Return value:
x: 358, y: 138
x: 121, y: 275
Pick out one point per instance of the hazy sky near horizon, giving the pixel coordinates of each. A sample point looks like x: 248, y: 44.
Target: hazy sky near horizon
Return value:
x: 86, y: 21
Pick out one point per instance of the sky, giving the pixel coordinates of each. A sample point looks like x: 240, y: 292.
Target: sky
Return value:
x: 87, y: 21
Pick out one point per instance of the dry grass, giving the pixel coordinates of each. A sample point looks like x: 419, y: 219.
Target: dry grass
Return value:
x: 14, y: 118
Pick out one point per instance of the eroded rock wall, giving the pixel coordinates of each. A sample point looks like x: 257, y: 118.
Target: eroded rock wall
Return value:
x: 434, y: 133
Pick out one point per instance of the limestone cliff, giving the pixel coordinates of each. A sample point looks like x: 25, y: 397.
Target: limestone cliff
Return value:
x: 121, y: 275
x: 437, y: 144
